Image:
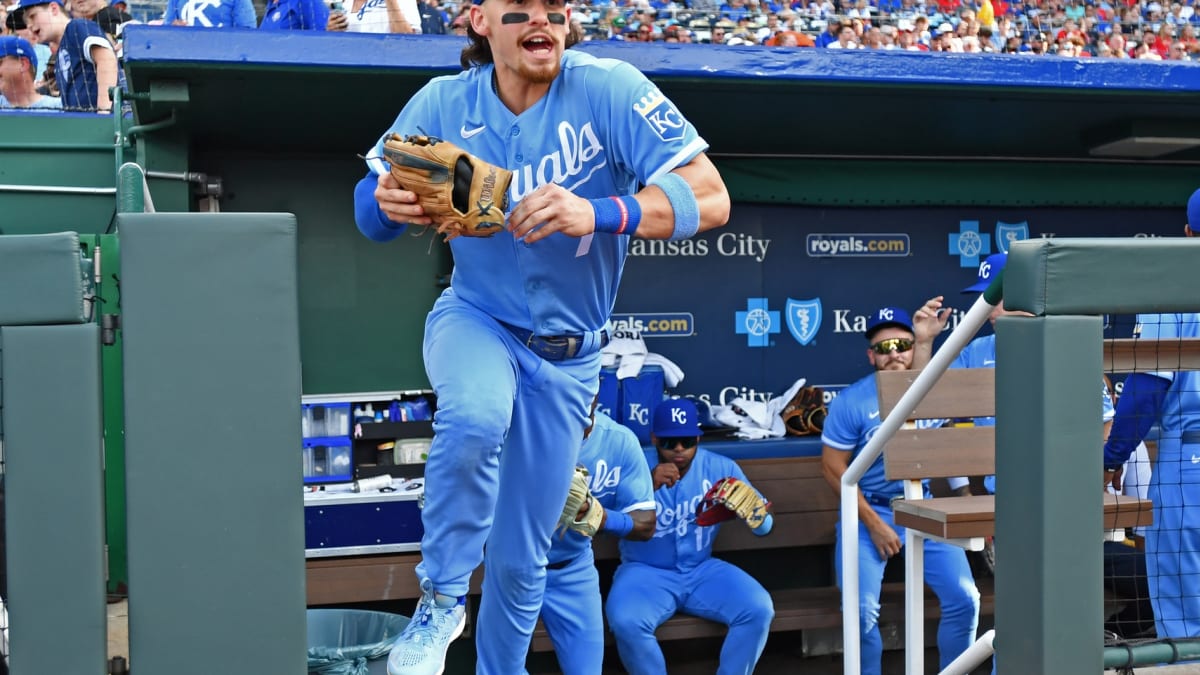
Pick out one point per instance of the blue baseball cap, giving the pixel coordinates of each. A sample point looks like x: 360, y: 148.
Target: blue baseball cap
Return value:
x: 676, y: 417
x: 23, y: 5
x: 1193, y: 212
x: 888, y: 316
x: 11, y: 45
x: 988, y: 269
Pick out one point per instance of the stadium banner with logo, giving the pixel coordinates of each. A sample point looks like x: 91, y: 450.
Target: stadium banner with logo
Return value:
x: 782, y: 292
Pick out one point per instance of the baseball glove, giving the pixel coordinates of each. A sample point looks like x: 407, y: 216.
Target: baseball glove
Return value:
x: 462, y: 194
x: 805, y: 413
x: 579, y: 497
x: 731, y: 497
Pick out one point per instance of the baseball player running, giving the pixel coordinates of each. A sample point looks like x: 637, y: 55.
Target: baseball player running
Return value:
x: 512, y: 346
x: 621, y: 485
x: 675, y: 571
x: 1169, y: 399
x: 853, y: 419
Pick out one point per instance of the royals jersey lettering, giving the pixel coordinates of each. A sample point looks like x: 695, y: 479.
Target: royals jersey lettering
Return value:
x: 603, y: 130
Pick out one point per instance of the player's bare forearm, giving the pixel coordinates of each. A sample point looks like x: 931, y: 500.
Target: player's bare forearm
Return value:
x: 643, y: 526
x: 106, y: 75
x: 712, y: 199
x: 928, y: 322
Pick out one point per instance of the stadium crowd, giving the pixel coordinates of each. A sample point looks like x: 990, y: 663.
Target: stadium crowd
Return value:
x: 1139, y: 29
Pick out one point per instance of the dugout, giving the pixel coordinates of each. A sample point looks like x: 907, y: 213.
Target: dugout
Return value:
x: 859, y: 179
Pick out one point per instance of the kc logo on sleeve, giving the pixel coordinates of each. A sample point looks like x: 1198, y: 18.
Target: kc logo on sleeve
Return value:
x: 661, y: 115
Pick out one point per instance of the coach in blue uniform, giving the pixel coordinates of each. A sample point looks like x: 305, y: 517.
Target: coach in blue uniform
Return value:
x: 512, y: 347
x: 620, y: 482
x: 675, y: 571
x: 1172, y: 399
x: 853, y: 419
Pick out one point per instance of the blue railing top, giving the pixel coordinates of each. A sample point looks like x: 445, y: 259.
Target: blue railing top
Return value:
x: 155, y: 45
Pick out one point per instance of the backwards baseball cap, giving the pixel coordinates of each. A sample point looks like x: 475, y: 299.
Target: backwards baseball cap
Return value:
x: 1193, y: 212
x: 988, y: 269
x: 676, y: 417
x: 888, y: 316
x: 11, y: 45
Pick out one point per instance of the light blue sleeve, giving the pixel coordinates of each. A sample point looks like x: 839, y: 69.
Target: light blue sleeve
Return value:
x: 636, y: 491
x: 648, y: 135
x: 842, y: 424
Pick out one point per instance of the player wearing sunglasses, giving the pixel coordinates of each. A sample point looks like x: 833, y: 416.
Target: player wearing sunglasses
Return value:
x: 892, y: 344
x: 675, y: 570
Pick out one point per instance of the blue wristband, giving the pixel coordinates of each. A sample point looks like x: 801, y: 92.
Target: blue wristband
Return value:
x: 683, y: 203
x: 766, y: 526
x: 617, y: 523
x: 617, y: 215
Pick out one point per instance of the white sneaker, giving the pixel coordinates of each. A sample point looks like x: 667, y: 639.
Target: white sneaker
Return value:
x: 421, y: 648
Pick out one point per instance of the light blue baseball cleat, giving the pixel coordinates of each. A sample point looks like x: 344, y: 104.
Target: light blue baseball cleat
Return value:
x: 421, y: 648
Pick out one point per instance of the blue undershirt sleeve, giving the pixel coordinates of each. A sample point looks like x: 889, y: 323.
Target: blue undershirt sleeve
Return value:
x: 1137, y: 410
x: 369, y: 217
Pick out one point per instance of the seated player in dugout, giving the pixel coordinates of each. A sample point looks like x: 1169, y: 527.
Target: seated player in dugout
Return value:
x: 613, y: 494
x: 675, y: 571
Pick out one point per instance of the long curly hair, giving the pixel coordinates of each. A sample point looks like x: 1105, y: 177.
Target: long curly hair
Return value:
x: 478, y: 51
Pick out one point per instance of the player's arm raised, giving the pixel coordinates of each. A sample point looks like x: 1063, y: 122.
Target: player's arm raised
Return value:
x: 689, y: 200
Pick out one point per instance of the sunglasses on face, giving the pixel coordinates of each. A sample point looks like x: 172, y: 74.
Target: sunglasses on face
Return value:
x: 688, y: 442
x: 884, y: 347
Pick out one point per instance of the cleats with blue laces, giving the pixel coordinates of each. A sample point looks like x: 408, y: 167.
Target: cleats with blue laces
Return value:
x: 421, y: 648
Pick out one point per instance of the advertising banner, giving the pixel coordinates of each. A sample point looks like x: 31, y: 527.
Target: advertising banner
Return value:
x: 783, y: 292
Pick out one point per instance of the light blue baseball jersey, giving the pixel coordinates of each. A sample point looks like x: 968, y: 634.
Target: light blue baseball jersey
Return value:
x: 620, y: 479
x: 981, y: 353
x: 852, y: 420
x: 602, y: 130
x: 1181, y: 405
x: 678, y: 543
x: 212, y: 13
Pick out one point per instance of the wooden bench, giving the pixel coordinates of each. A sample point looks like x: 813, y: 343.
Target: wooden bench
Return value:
x: 949, y: 451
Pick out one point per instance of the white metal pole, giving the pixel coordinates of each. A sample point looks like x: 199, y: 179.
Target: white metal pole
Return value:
x: 958, y: 338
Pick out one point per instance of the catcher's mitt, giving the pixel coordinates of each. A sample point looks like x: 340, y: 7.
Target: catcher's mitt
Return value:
x: 461, y: 193
x: 805, y: 413
x: 577, y: 498
x: 731, y: 497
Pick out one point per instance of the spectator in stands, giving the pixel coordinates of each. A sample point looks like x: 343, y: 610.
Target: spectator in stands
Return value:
x: 831, y: 34
x: 45, y: 58
x: 112, y: 21
x: 853, y: 419
x: 459, y: 25
x: 644, y: 33
x: 847, y: 39
x: 621, y: 483
x: 433, y: 19
x: 1116, y: 43
x: 906, y: 38
x: 86, y: 65
x: 1187, y: 36
x: 675, y: 571
x: 295, y: 15
x: 986, y: 45
x: 210, y: 13
x: 376, y: 16
x: 1167, y: 398
x: 18, y: 69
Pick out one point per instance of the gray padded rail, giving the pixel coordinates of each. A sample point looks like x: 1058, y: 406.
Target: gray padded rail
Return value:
x: 212, y: 394
x: 41, y: 280
x: 1102, y: 275
x: 54, y: 499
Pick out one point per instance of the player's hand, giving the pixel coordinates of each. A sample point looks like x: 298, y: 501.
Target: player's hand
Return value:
x: 337, y: 22
x: 551, y: 208
x: 930, y: 319
x: 665, y: 473
x: 1114, y: 478
x: 886, y: 541
x: 398, y: 204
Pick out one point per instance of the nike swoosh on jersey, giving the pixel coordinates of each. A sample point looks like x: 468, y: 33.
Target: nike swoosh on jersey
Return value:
x: 989, y: 362
x: 873, y: 415
x: 468, y: 133
x: 1195, y: 459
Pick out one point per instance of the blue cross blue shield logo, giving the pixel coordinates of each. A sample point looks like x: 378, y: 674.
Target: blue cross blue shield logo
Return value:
x: 757, y: 323
x: 1007, y: 233
x: 804, y: 319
